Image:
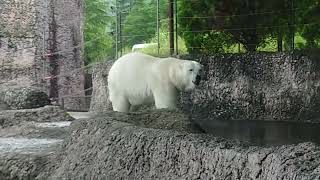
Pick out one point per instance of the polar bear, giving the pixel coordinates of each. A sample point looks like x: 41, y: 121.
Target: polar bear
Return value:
x: 137, y: 79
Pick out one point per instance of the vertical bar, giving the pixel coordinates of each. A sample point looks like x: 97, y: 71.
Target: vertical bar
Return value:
x: 117, y: 29
x: 279, y: 39
x: 176, y: 15
x: 62, y: 103
x: 158, y: 26
x: 120, y: 30
x: 293, y: 24
x: 171, y: 28
x: 44, y: 50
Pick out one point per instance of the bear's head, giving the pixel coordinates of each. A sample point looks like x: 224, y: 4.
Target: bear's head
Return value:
x: 186, y: 75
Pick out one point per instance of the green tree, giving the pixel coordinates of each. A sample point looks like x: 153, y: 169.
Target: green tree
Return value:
x: 98, y: 22
x: 249, y: 22
x: 164, y: 50
x: 196, y: 27
x: 308, y: 15
x: 140, y: 23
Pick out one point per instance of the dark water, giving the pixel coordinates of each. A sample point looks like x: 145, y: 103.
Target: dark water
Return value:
x: 266, y: 133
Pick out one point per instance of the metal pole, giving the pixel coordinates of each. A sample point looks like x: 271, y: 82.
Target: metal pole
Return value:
x: 116, y: 29
x: 293, y: 24
x: 176, y: 13
x: 158, y: 26
x: 120, y: 30
x: 43, y: 63
x: 171, y: 28
x: 62, y: 103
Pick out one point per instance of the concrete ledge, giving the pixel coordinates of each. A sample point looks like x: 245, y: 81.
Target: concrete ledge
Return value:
x: 108, y: 147
x: 44, y: 114
x: 145, y: 145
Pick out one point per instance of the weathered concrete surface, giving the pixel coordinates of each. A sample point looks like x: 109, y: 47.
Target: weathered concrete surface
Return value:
x: 156, y: 119
x: 16, y: 97
x: 263, y: 86
x: 44, y: 114
x: 32, y: 29
x: 36, y: 130
x: 100, y: 96
x: 3, y: 106
x: 260, y: 86
x: 102, y: 148
x: 69, y: 18
x: 17, y: 165
x: 143, y: 145
x: 81, y: 115
x: 30, y: 145
x: 17, y: 39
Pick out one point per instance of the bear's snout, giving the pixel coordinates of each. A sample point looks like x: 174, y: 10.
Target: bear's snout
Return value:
x: 198, y: 79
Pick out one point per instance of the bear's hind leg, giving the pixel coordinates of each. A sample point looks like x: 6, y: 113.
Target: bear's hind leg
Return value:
x: 120, y: 104
x: 165, y: 99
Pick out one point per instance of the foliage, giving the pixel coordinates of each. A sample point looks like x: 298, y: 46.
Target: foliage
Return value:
x: 164, y: 51
x: 206, y: 26
x: 140, y: 25
x: 98, y: 42
x: 308, y: 19
x: 212, y: 24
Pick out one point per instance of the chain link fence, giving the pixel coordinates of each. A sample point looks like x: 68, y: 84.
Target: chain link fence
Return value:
x: 168, y: 27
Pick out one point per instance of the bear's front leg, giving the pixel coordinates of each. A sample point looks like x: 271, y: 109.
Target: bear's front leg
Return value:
x: 165, y: 98
x: 120, y: 104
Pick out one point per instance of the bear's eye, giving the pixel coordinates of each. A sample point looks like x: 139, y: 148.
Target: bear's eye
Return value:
x: 190, y: 69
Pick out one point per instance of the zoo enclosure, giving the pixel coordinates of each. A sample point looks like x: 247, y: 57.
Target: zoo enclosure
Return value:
x: 209, y: 27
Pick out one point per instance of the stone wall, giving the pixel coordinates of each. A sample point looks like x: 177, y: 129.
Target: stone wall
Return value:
x: 258, y: 86
x: 254, y: 86
x: 32, y: 29
x: 22, y: 98
x: 18, y: 41
x: 100, y: 96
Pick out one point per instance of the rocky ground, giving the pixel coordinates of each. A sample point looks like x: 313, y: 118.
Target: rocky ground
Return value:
x: 152, y: 144
x: 21, y: 97
x: 30, y: 140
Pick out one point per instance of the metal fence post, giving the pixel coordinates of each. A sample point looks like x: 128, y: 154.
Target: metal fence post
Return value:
x: 176, y: 19
x: 62, y: 103
x: 158, y: 24
x: 117, y: 29
x: 171, y: 27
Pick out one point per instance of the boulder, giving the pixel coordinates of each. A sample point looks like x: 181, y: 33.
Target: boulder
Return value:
x: 16, y: 97
x: 44, y: 114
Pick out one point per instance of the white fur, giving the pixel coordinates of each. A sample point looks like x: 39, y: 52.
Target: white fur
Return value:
x: 136, y: 79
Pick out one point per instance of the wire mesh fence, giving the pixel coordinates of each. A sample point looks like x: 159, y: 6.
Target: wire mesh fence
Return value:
x: 210, y: 27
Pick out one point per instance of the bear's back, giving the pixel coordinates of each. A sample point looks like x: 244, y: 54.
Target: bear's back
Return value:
x: 130, y: 76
